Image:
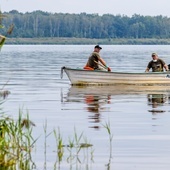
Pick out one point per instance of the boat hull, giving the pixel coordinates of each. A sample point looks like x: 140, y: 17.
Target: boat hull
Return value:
x: 87, y: 77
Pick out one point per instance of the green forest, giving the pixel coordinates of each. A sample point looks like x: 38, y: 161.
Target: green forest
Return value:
x: 39, y: 24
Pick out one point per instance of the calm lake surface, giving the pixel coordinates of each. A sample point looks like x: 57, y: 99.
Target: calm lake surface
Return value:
x: 139, y: 117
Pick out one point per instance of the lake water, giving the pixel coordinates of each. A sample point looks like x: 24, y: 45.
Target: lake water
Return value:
x: 139, y: 117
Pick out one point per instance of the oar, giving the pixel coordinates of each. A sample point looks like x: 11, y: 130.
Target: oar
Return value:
x: 100, y: 64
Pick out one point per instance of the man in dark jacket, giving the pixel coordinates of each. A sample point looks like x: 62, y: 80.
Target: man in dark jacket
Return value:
x: 94, y: 60
x: 157, y: 64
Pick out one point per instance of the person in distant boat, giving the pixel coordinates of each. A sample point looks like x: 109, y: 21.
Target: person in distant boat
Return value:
x: 95, y: 62
x: 157, y: 64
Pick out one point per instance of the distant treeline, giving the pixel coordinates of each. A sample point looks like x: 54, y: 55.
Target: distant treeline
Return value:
x: 43, y: 24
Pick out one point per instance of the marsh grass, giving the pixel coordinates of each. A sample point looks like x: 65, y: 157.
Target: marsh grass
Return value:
x: 70, y: 152
x: 45, y: 143
x: 16, y: 143
x: 78, y: 148
x: 88, y: 41
x: 107, y: 126
x: 77, y: 151
x: 16, y: 140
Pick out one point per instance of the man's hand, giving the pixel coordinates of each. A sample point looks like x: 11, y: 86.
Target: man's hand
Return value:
x: 109, y: 69
x: 147, y: 70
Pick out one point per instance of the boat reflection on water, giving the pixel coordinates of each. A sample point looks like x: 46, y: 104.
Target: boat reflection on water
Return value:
x: 98, y: 99
x: 95, y: 104
x: 157, y: 100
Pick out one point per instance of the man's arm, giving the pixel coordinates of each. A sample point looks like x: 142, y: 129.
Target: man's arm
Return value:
x: 166, y: 67
x: 147, y: 69
x: 102, y: 61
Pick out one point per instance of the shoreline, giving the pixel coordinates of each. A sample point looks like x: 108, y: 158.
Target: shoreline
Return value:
x: 86, y: 41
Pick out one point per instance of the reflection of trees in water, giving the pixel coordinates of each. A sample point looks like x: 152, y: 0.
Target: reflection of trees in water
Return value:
x: 95, y: 105
x: 157, y: 100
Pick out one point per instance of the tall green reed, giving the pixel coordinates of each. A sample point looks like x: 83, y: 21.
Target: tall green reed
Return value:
x: 72, y: 149
x: 107, y: 126
x: 16, y: 139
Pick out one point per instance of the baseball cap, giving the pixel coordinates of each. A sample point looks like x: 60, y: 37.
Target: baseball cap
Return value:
x: 97, y: 46
x: 154, y: 54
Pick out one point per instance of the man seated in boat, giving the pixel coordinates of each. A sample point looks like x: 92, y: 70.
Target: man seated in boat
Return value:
x: 95, y: 62
x: 157, y: 64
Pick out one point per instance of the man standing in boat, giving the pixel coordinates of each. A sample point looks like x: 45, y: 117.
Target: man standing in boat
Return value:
x: 156, y: 64
x: 95, y: 61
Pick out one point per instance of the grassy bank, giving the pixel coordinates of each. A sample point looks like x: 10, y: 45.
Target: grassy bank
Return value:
x: 81, y: 41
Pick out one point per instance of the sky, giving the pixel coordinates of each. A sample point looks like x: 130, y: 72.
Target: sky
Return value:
x: 115, y: 7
